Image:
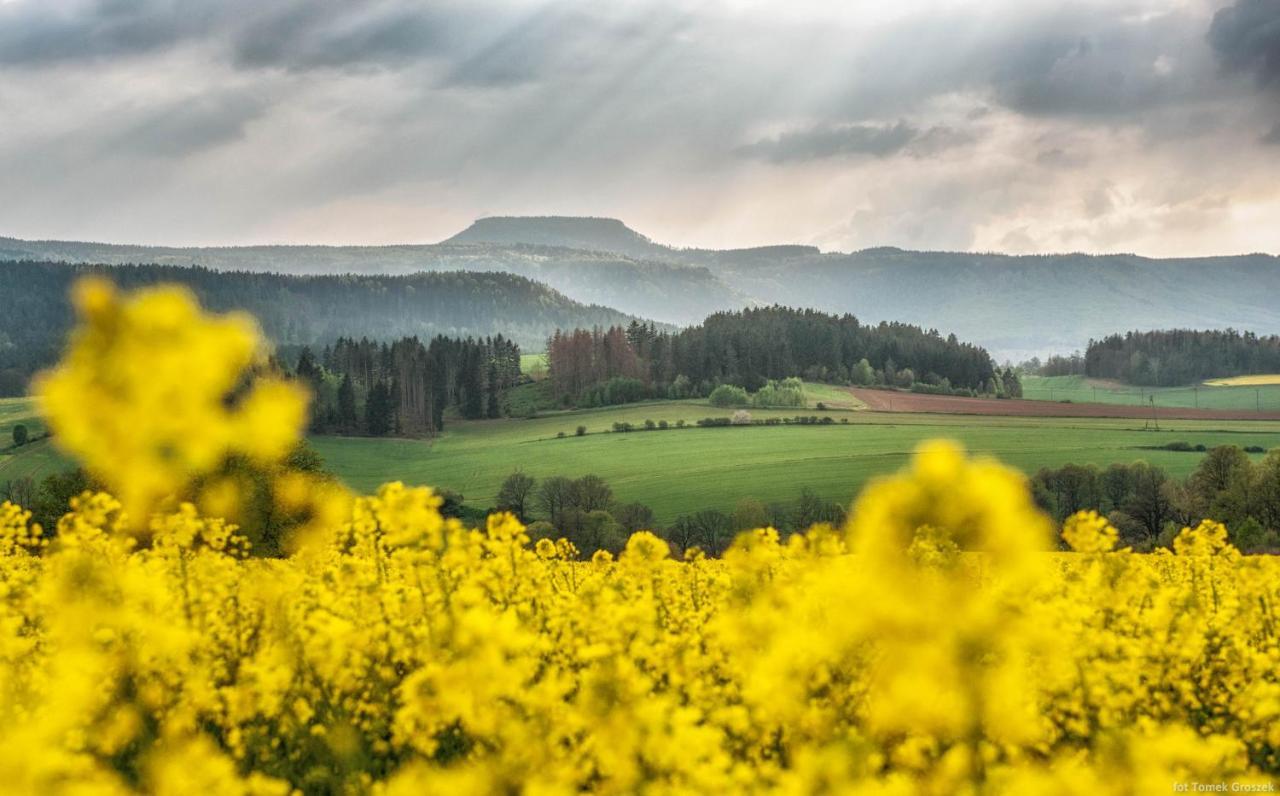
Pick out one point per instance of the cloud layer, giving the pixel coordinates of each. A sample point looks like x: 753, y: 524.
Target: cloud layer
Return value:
x: 1028, y: 126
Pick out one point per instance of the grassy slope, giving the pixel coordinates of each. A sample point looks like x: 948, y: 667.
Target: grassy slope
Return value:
x: 1079, y: 389
x: 36, y: 459
x: 679, y: 471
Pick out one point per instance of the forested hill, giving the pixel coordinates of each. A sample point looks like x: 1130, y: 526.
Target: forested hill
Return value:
x: 666, y: 291
x: 35, y: 313
x: 1014, y: 306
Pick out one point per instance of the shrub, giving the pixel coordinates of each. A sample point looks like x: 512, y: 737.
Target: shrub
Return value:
x: 20, y: 435
x: 728, y: 395
x: 622, y: 390
x: 789, y: 393
x: 821, y: 407
x: 679, y: 424
x: 662, y: 424
x: 623, y: 427
x: 649, y: 425
x: 559, y: 435
x: 741, y: 418
x: 582, y: 431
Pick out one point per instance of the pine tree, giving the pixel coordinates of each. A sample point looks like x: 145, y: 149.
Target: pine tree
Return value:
x: 377, y: 415
x: 347, y: 420
x: 492, y: 409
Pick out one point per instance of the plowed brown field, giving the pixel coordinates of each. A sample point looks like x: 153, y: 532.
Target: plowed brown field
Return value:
x: 890, y: 401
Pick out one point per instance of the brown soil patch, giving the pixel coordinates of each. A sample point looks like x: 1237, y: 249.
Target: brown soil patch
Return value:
x: 890, y: 401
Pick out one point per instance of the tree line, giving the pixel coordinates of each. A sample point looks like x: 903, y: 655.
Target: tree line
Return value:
x: 585, y: 511
x: 751, y: 348
x: 405, y: 387
x: 1181, y: 356
x: 1148, y: 506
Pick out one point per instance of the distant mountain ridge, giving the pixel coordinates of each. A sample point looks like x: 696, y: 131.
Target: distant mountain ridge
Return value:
x: 663, y: 290
x: 1014, y: 305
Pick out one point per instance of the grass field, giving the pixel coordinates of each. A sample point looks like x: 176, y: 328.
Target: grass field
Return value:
x: 533, y: 364
x: 683, y: 470
x: 830, y: 396
x: 1233, y: 395
x: 36, y: 459
x: 679, y: 471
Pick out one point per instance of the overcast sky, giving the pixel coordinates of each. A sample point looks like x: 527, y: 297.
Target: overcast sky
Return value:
x: 1013, y: 125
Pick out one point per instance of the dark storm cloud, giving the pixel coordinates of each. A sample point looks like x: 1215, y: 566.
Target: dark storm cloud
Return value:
x: 1060, y: 60
x: 76, y: 30
x: 476, y: 43
x: 187, y: 126
x: 853, y: 140
x: 1246, y: 38
x: 260, y: 115
x: 336, y: 33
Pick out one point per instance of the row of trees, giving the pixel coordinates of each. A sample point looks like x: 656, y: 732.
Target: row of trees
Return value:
x: 404, y: 387
x: 1181, y: 356
x: 1148, y: 506
x: 752, y: 347
x: 585, y: 512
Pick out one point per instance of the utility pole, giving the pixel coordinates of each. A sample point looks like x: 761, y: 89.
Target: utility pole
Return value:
x: 1155, y: 418
x: 1197, y: 396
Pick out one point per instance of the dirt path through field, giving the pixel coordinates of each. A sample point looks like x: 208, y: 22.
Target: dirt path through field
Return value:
x: 891, y: 401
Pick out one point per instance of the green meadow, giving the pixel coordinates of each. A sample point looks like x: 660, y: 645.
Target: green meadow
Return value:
x: 678, y: 471
x: 37, y: 458
x: 681, y: 470
x: 1079, y: 389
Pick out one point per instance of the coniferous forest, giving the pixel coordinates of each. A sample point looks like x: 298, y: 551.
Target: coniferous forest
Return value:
x: 404, y: 387
x: 754, y: 346
x: 1181, y: 356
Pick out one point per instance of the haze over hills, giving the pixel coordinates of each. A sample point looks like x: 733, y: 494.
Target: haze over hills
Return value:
x: 1014, y: 305
x: 35, y: 311
x: 664, y: 290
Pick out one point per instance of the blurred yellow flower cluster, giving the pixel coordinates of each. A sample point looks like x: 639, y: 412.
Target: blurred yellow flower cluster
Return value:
x: 933, y: 646
x: 153, y: 393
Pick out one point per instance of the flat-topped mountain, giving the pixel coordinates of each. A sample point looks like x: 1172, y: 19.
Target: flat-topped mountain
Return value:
x: 570, y: 232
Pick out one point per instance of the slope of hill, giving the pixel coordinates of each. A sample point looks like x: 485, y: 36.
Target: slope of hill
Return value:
x: 300, y: 310
x: 1014, y: 306
x: 1022, y: 305
x: 666, y: 291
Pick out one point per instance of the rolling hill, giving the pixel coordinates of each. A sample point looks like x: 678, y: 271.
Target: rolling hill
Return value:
x: 664, y: 290
x: 1015, y: 306
x: 35, y: 312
